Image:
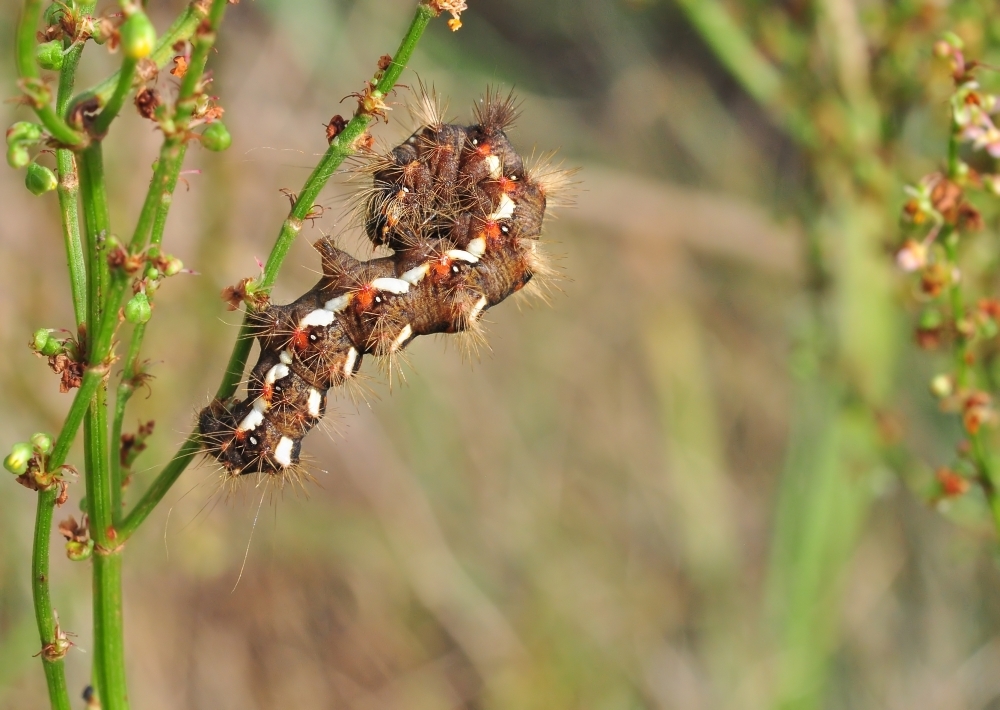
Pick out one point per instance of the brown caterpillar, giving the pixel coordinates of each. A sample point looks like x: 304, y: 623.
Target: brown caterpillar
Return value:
x: 461, y: 215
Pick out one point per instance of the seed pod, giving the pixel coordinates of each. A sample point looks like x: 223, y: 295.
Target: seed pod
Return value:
x: 79, y: 551
x: 39, y: 179
x: 24, y: 133
x: 138, y: 310
x: 138, y: 36
x: 50, y: 55
x: 18, y: 156
x: 17, y: 460
x: 43, y: 343
x: 216, y: 137
x: 42, y: 442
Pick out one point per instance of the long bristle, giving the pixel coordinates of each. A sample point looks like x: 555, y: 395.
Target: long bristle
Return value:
x: 495, y: 112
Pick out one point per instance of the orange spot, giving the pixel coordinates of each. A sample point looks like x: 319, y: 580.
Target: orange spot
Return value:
x: 364, y: 297
x: 440, y: 268
x: 267, y: 392
x: 240, y: 435
x: 491, y: 230
x: 300, y: 339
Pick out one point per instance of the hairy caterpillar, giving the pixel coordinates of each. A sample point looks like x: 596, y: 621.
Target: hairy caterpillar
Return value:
x: 461, y: 214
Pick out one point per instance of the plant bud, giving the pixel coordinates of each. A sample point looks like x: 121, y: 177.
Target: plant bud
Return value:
x: 79, y: 551
x: 40, y: 179
x: 83, y: 504
x: 17, y: 156
x: 216, y: 137
x: 17, y: 460
x: 42, y: 442
x: 50, y: 55
x: 138, y: 310
x: 43, y: 343
x: 24, y: 133
x: 138, y: 36
x: 173, y: 266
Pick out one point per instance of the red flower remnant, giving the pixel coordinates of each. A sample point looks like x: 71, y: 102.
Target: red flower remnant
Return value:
x: 952, y: 483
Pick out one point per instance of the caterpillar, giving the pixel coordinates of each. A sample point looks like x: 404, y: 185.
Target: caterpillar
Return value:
x: 461, y: 214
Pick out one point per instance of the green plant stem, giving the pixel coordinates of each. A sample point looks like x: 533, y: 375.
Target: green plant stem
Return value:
x: 28, y: 70
x: 52, y: 663
x: 340, y: 148
x: 182, y: 29
x: 761, y: 79
x: 122, y: 89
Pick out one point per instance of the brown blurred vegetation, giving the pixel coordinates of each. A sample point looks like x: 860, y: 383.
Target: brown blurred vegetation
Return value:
x: 667, y: 490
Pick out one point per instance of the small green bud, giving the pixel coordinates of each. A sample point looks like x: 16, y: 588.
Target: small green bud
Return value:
x: 930, y: 319
x: 24, y: 133
x: 42, y: 442
x: 17, y: 156
x: 17, y: 460
x: 43, y: 343
x: 138, y: 36
x: 40, y: 179
x: 152, y: 273
x: 83, y: 504
x: 216, y: 137
x: 50, y: 55
x: 79, y: 551
x: 954, y: 40
x: 173, y: 266
x: 53, y: 14
x: 138, y: 310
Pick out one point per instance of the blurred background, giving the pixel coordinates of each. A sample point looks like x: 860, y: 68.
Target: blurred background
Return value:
x: 699, y: 479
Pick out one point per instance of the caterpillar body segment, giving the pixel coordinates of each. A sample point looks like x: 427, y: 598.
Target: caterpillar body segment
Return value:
x: 460, y: 213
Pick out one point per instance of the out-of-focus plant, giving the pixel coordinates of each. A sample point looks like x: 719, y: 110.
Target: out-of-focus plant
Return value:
x: 957, y: 313
x: 113, y: 280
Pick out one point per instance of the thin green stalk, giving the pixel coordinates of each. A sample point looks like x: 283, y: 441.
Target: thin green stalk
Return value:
x: 122, y: 89
x: 69, y: 186
x: 52, y: 654
x: 761, y: 79
x: 28, y: 70
x: 340, y: 148
x: 183, y: 28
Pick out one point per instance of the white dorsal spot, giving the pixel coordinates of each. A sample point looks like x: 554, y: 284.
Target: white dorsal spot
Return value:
x: 461, y: 255
x: 396, y: 286
x: 319, y: 317
x: 477, y: 309
x: 477, y: 247
x: 283, y: 452
x: 493, y: 165
x: 403, y: 336
x: 276, y: 373
x: 416, y: 274
x: 352, y: 357
x: 336, y: 305
x: 315, y: 400
x: 252, y: 420
x: 285, y: 357
x: 506, y: 208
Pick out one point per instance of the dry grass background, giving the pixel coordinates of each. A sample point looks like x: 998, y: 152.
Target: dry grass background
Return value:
x: 581, y: 518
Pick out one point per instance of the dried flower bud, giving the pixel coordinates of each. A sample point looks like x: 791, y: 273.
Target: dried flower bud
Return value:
x: 912, y: 256
x: 39, y: 179
x: 50, y: 55
x: 19, y: 457
x: 138, y: 310
x: 934, y: 278
x: 216, y: 137
x: 42, y: 442
x: 952, y: 483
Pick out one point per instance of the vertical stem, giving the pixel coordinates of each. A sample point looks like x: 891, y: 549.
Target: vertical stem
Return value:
x: 52, y: 661
x: 341, y: 147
